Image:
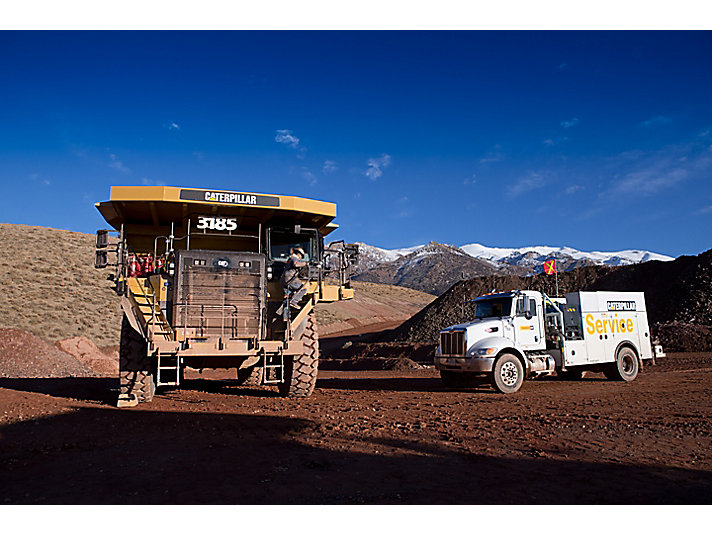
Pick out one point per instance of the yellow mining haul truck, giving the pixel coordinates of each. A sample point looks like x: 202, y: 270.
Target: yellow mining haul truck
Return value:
x: 199, y: 273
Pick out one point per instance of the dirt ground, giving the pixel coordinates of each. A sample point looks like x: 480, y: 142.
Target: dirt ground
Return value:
x: 364, y: 437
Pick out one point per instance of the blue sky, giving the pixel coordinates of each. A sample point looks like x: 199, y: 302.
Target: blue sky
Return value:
x: 595, y: 140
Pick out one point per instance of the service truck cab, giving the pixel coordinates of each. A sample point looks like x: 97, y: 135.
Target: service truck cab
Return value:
x: 524, y: 334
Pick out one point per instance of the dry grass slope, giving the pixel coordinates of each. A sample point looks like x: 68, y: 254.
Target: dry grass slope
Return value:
x: 49, y: 287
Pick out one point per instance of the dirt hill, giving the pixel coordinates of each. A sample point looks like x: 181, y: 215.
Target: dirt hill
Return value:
x: 51, y: 289
x: 678, y: 297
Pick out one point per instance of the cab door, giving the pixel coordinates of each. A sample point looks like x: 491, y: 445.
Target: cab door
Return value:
x: 527, y: 323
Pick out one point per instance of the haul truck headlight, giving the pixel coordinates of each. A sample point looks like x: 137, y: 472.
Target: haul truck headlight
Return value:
x: 485, y: 352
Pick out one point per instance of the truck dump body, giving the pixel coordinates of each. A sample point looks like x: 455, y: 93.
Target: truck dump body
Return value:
x: 199, y: 272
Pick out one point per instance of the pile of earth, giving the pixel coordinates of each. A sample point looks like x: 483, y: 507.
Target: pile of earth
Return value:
x: 24, y: 355
x: 363, y: 355
x: 678, y: 297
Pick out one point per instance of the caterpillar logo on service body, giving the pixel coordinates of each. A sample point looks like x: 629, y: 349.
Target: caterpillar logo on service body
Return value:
x: 621, y: 305
x: 608, y: 326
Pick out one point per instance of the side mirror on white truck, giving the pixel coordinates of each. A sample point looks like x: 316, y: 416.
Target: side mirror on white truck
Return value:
x: 524, y: 334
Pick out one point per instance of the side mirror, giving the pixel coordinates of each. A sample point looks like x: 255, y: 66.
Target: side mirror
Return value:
x: 100, y: 259
x: 527, y: 315
x: 102, y: 238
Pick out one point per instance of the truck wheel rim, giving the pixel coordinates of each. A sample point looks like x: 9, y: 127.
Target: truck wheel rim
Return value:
x: 627, y: 364
x: 509, y: 373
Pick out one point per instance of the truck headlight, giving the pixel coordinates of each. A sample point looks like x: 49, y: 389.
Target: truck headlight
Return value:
x: 485, y: 352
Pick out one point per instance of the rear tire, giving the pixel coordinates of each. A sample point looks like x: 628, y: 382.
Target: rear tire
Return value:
x: 625, y: 368
x: 136, y: 370
x: 300, y: 371
x: 508, y: 374
x: 250, y: 376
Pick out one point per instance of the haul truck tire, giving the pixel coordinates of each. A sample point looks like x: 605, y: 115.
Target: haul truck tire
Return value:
x: 251, y: 376
x: 300, y: 372
x: 136, y: 370
x: 508, y: 374
x: 625, y: 368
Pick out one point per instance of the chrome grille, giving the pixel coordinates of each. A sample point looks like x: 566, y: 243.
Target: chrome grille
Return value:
x: 452, y: 343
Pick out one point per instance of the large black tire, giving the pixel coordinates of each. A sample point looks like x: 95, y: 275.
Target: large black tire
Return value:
x: 136, y: 370
x: 455, y: 380
x: 625, y: 368
x: 250, y: 376
x: 508, y: 374
x: 300, y: 371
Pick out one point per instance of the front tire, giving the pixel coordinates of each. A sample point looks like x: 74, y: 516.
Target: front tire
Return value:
x: 508, y: 374
x: 136, y: 370
x: 300, y: 371
x: 250, y: 376
x: 625, y: 368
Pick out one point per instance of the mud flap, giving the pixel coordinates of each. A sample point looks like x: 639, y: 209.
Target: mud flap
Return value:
x: 129, y: 313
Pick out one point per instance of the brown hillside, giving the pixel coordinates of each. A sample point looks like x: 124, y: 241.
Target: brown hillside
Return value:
x: 51, y: 289
x: 679, y: 291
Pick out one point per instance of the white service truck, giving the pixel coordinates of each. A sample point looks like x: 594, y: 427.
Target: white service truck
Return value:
x: 525, y: 334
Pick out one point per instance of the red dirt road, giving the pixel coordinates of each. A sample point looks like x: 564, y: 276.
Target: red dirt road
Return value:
x: 364, y: 437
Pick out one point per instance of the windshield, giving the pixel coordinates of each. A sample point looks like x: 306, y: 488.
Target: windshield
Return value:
x: 493, y: 308
x: 281, y: 242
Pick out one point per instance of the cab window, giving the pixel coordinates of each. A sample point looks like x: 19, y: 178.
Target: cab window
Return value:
x: 281, y: 241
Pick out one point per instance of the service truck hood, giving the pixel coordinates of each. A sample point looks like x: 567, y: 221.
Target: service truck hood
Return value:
x: 484, y: 333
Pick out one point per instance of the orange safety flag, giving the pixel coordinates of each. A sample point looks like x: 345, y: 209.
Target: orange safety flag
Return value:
x: 550, y: 267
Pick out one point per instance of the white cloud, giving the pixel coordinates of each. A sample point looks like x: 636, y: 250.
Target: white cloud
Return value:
x: 309, y: 177
x: 704, y: 211
x: 493, y: 155
x: 649, y: 181
x: 570, y: 123
x: 117, y: 164
x: 329, y: 167
x: 563, y: 65
x: 570, y: 190
x: 526, y: 184
x: 376, y: 166
x: 146, y: 181
x: 173, y: 126
x: 287, y: 137
x: 658, y: 120
x: 200, y: 156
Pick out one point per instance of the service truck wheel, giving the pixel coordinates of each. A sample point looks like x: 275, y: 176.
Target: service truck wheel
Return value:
x: 250, y: 376
x: 300, y: 371
x: 508, y: 374
x: 136, y: 370
x: 625, y: 368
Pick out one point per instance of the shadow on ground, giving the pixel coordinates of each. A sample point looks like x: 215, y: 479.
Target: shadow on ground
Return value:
x: 105, y: 456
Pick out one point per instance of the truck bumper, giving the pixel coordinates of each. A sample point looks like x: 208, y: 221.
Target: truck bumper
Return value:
x: 470, y: 365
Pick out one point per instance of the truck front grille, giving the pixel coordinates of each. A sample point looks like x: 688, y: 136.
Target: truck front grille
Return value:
x: 452, y: 343
x: 220, y: 294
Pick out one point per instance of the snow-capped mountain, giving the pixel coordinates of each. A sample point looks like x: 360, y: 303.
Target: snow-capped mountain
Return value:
x: 524, y: 255
x: 434, y: 267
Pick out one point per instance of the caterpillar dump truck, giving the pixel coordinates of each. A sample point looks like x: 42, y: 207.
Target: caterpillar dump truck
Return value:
x: 525, y: 334
x: 199, y: 275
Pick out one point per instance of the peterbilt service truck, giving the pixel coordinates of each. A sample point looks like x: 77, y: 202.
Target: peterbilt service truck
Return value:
x: 525, y: 334
x: 198, y: 272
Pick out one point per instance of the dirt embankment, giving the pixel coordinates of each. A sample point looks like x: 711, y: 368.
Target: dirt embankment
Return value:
x: 677, y: 293
x: 50, y: 288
